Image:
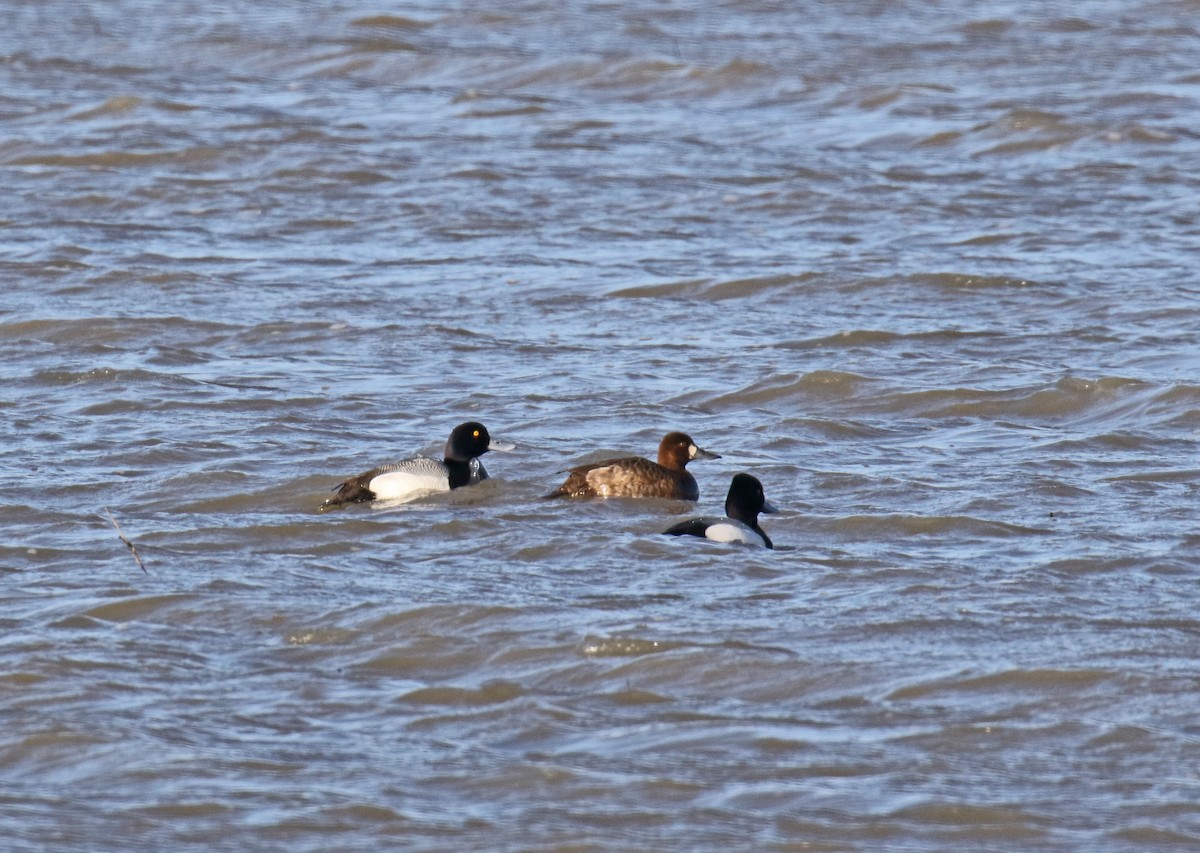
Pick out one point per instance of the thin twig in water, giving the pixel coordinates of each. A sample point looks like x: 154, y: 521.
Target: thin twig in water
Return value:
x: 132, y: 550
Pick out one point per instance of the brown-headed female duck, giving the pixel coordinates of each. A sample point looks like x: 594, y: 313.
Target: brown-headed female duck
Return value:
x: 635, y: 477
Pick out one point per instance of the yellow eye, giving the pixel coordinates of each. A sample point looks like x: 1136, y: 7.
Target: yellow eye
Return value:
x: 476, y: 433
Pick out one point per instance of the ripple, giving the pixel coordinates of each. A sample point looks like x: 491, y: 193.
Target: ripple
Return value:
x: 494, y: 692
x: 718, y: 291
x: 1016, y: 681
x: 917, y: 525
x: 625, y: 647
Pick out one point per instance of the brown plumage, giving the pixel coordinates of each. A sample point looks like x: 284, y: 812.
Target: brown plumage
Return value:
x: 635, y: 477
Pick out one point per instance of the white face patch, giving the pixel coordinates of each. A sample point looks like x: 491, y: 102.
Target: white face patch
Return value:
x: 692, y: 451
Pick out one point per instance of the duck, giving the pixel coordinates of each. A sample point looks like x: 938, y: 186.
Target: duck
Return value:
x: 742, y: 506
x: 420, y: 475
x: 635, y: 477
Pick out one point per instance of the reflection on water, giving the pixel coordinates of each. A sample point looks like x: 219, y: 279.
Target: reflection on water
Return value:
x: 923, y: 272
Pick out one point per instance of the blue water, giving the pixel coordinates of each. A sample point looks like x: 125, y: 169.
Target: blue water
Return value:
x: 925, y: 272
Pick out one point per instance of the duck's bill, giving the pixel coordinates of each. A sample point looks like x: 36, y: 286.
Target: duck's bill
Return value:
x: 701, y: 453
x: 502, y: 446
x: 769, y: 507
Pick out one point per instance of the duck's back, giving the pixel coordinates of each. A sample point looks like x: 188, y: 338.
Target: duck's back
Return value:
x: 630, y: 477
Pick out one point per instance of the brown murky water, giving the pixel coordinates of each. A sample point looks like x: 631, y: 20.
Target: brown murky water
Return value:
x: 927, y: 270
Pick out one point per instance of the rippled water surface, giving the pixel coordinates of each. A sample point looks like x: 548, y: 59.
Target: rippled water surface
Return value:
x: 926, y: 270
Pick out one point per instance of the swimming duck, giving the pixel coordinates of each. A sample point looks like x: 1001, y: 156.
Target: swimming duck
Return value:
x: 742, y: 506
x: 419, y: 475
x: 635, y: 477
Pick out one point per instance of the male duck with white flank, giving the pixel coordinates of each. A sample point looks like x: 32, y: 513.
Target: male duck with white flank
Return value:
x: 420, y: 475
x: 635, y: 477
x: 742, y: 506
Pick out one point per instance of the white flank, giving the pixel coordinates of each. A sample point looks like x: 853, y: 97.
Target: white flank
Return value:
x: 418, y: 477
x: 728, y: 530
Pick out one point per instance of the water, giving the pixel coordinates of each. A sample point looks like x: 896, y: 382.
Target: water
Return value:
x: 926, y: 271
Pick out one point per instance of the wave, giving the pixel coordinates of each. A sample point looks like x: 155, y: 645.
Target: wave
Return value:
x: 820, y: 384
x: 106, y: 330
x: 1043, y: 681
x: 716, y: 291
x: 192, y: 157
x: 903, y: 524
x: 1069, y: 397
x: 854, y: 338
x: 492, y: 692
x: 139, y: 607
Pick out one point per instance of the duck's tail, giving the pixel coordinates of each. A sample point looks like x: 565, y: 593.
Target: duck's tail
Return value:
x: 349, y: 492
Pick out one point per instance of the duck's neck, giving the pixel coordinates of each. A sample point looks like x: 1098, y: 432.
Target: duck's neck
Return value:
x: 732, y: 510
x: 460, y: 472
x: 673, y: 462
